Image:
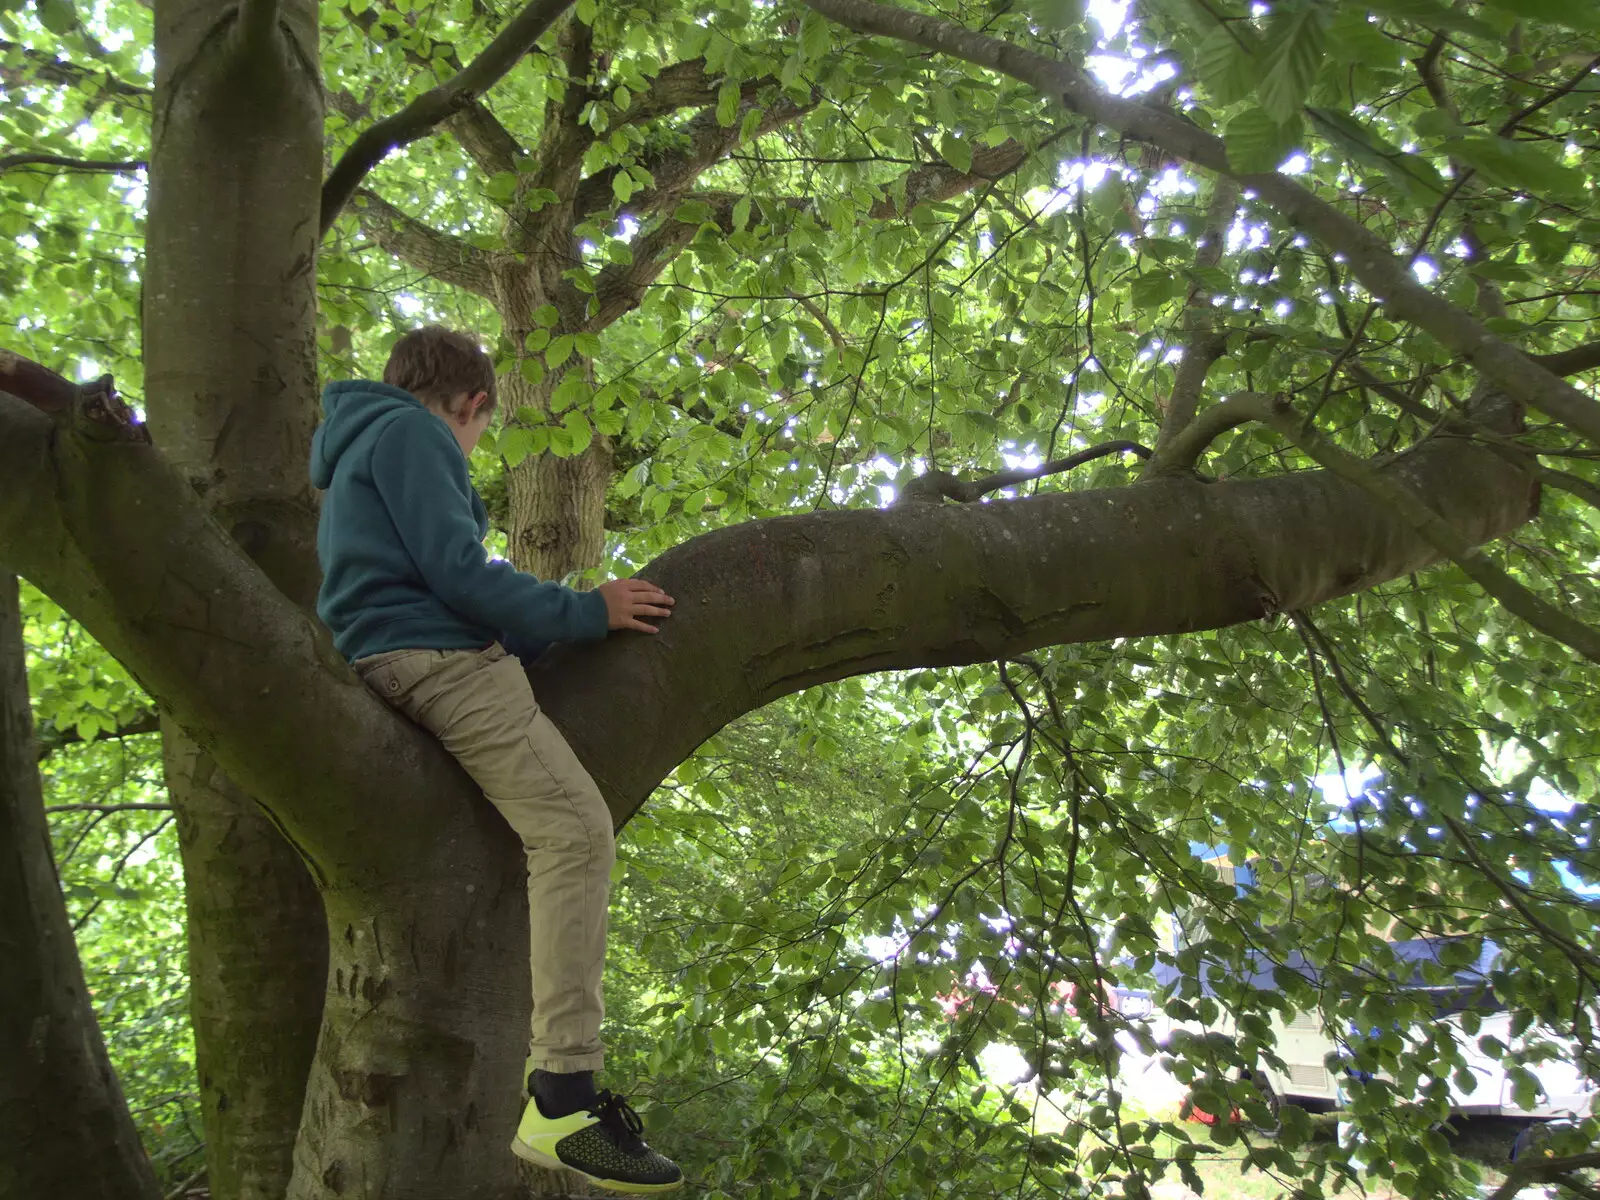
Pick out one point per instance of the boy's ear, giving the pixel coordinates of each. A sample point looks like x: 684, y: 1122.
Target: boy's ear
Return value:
x: 476, y: 403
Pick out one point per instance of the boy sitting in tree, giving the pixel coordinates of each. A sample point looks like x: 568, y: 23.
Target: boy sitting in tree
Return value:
x: 426, y: 618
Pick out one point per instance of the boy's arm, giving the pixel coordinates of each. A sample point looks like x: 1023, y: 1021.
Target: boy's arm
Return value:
x: 419, y: 472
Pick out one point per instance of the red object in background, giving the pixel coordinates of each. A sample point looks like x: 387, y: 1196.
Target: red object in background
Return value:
x: 1188, y: 1112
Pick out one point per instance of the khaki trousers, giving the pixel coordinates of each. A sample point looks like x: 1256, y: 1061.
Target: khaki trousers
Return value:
x: 479, y: 704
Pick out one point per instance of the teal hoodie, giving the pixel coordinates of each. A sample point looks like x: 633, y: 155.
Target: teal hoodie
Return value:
x: 401, y: 540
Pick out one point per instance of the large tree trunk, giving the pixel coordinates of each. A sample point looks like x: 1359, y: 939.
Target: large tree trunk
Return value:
x: 230, y: 372
x: 63, y: 1119
x: 556, y: 506
x: 414, y: 1089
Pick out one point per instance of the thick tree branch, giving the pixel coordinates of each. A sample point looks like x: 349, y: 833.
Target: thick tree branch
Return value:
x: 116, y: 537
x: 619, y: 289
x: 435, y: 254
x: 1201, y: 345
x: 10, y: 162
x: 1183, y: 452
x: 1276, y: 414
x: 1379, y: 270
x: 428, y: 110
x: 1588, y: 492
x: 936, y: 485
x: 1571, y: 362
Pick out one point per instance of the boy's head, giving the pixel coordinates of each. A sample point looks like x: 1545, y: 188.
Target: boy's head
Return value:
x: 450, y: 374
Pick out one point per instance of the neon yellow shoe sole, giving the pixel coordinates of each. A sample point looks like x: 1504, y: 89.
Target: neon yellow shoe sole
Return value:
x: 575, y: 1143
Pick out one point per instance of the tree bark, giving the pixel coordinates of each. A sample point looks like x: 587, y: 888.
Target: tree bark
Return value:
x: 230, y: 370
x: 63, y: 1118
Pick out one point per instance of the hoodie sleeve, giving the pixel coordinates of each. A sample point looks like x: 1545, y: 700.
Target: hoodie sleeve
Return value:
x: 422, y: 478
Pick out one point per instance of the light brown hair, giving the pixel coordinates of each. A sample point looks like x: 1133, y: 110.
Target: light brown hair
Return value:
x: 436, y: 365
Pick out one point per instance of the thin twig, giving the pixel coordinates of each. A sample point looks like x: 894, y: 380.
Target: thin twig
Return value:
x: 936, y: 484
x: 11, y: 162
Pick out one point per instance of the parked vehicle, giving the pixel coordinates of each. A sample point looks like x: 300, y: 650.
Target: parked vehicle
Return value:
x: 1316, y: 1060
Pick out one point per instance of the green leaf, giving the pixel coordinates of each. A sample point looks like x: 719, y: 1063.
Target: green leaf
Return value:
x: 1153, y: 288
x: 579, y: 431
x: 1256, y: 143
x: 956, y: 152
x: 532, y: 371
x: 515, y: 444
x: 1225, y: 66
x: 1412, y: 173
x: 1521, y: 166
x: 546, y: 315
x: 558, y: 351
x: 622, y: 186
x: 536, y: 340
x: 501, y: 187
x: 1290, y: 58
x: 1353, y: 38
x: 727, y: 102
x: 741, y: 213
x: 58, y: 16
x: 572, y: 390
x: 815, y: 35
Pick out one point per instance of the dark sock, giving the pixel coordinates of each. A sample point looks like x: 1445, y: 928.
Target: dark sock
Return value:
x: 562, y: 1093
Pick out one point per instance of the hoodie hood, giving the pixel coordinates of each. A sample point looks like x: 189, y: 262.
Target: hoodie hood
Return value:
x: 355, y: 412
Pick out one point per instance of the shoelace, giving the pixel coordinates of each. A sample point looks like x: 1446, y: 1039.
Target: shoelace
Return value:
x: 621, y: 1122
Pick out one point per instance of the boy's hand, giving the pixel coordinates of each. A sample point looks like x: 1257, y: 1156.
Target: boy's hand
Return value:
x: 629, y: 599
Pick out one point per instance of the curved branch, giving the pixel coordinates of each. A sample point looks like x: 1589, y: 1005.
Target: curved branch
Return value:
x: 1380, y: 271
x: 436, y: 254
x: 1183, y: 451
x: 419, y: 118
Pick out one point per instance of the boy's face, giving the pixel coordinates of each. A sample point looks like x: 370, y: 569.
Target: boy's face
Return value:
x: 469, y: 417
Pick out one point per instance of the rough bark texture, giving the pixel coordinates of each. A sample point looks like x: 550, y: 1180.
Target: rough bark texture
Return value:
x: 556, y: 506
x: 63, y: 1119
x: 230, y: 372
x: 258, y: 961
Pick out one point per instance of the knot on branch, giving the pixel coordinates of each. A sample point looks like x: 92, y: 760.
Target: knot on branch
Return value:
x: 102, y: 416
x: 94, y: 408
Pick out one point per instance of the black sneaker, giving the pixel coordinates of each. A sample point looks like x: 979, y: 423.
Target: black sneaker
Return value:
x: 602, y: 1145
